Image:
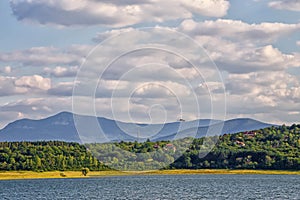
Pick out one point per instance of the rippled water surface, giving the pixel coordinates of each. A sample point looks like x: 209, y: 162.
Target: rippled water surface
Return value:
x: 157, y: 187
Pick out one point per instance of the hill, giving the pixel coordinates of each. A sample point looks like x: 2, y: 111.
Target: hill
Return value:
x: 62, y: 127
x: 275, y: 148
x: 46, y: 156
x: 268, y: 148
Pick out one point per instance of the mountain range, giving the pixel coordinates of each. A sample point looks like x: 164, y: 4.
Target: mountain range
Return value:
x: 90, y: 129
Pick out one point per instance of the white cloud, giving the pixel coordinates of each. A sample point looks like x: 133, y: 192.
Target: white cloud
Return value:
x: 23, y: 85
x: 208, y: 88
x: 7, y: 87
x: 292, y: 5
x: 235, y: 46
x: 239, y: 47
x: 216, y: 8
x: 238, y: 30
x: 107, y: 34
x: 298, y: 43
x: 7, y: 117
x: 62, y: 89
x: 256, y: 80
x: 236, y: 58
x: 267, y: 96
x: 33, y: 82
x: 6, y: 70
x: 41, y: 56
x: 36, y: 108
x: 113, y: 84
x: 162, y: 90
x: 262, y: 83
x: 62, y: 71
x: 113, y: 13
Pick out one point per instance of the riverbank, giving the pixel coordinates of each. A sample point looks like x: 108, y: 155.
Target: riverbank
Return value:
x: 11, y: 175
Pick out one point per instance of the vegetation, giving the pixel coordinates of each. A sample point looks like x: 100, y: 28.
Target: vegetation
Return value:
x: 46, y: 156
x: 270, y: 148
x: 8, y: 175
x: 85, y: 171
x: 274, y: 148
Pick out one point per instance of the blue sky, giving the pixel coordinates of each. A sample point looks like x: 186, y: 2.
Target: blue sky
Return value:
x: 255, y: 45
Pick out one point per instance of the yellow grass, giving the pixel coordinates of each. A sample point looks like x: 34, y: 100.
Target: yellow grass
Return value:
x: 34, y: 175
x: 222, y: 171
x: 10, y: 175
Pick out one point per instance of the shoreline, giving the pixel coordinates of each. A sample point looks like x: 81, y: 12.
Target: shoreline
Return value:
x: 23, y: 175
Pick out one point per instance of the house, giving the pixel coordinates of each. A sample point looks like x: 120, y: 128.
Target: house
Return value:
x: 250, y: 133
x: 170, y: 147
x: 241, y: 144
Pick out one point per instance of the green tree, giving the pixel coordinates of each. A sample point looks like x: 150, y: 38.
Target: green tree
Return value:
x: 85, y: 171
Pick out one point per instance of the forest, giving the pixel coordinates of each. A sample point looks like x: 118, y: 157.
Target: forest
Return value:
x: 270, y: 148
x: 46, y: 156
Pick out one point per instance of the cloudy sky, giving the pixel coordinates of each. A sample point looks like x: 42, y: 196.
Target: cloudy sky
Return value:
x: 202, y: 58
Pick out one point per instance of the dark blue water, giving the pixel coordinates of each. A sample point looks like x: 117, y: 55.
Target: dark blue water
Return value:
x: 157, y: 187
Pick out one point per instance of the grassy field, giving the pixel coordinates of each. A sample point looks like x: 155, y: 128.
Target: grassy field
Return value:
x: 222, y: 171
x: 10, y: 175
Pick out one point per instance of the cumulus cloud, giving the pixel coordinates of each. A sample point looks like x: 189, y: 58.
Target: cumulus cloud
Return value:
x: 207, y: 8
x: 7, y: 87
x: 62, y: 89
x: 292, y: 5
x: 6, y: 70
x: 113, y: 84
x: 36, y: 108
x: 269, y: 88
x: 113, y: 13
x: 258, y: 59
x: 235, y: 46
x: 162, y: 90
x: 261, y: 94
x: 238, y: 30
x: 209, y: 87
x: 107, y: 34
x: 257, y: 83
x: 34, y: 82
x: 7, y: 117
x: 41, y: 56
x: 62, y: 71
x: 236, y: 58
x: 23, y: 85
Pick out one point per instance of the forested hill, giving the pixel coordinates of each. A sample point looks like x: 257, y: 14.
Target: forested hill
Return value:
x: 46, y: 156
x: 269, y: 148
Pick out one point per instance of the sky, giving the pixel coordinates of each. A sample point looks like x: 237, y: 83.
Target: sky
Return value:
x: 150, y: 61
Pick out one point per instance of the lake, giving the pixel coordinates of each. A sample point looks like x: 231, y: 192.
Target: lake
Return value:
x: 156, y: 187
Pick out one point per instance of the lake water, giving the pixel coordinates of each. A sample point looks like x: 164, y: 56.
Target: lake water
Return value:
x: 156, y: 187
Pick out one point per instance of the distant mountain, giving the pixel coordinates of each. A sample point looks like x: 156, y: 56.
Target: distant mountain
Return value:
x: 62, y: 127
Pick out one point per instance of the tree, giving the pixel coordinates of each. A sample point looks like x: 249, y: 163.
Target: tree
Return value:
x: 85, y: 171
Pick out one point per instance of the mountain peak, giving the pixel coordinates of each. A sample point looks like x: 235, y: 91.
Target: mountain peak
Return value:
x: 61, y: 127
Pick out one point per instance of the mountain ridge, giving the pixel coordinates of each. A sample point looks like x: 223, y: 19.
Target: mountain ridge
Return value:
x: 61, y: 126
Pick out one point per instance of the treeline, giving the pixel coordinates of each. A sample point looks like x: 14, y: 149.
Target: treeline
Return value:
x: 275, y: 148
x: 46, y: 156
x: 269, y: 148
